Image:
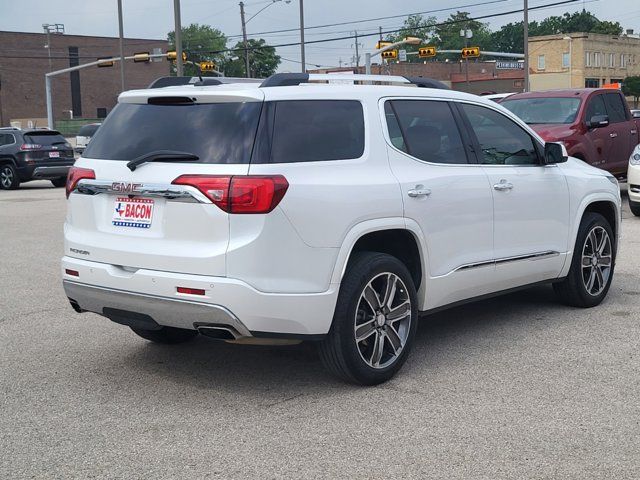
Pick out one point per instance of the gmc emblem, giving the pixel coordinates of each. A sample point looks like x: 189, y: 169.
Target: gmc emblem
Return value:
x: 125, y: 187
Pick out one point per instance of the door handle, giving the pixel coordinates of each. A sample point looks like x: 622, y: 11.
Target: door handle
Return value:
x: 419, y: 191
x: 613, y: 134
x: 633, y: 132
x: 503, y: 185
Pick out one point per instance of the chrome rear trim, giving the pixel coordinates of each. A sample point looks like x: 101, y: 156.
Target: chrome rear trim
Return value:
x: 165, y: 311
x: 180, y: 193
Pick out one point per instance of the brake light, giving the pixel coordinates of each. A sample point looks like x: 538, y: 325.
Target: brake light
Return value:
x: 75, y: 175
x: 239, y: 194
x: 73, y: 273
x: 30, y: 146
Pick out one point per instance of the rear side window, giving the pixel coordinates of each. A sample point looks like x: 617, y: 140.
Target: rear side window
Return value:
x: 615, y: 108
x: 425, y: 129
x: 595, y: 107
x: 44, y: 139
x: 317, y: 130
x: 215, y: 132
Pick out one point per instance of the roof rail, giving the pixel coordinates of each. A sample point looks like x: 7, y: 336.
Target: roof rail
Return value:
x: 292, y: 79
x: 198, y: 81
x: 10, y: 128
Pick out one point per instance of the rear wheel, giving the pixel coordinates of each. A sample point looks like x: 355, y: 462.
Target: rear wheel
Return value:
x: 59, y: 182
x: 8, y: 177
x: 166, y: 335
x: 375, y: 320
x: 592, y: 264
x: 635, y: 208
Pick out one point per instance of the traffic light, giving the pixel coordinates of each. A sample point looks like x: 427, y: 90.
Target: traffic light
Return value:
x: 382, y: 44
x: 470, y: 52
x: 172, y: 56
x: 207, y: 66
x: 425, y: 52
x: 141, y: 57
x: 105, y: 64
x: 390, y: 54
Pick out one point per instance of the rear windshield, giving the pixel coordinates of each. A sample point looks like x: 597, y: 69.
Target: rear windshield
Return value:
x: 45, y: 139
x: 549, y: 110
x: 88, y: 130
x: 215, y: 132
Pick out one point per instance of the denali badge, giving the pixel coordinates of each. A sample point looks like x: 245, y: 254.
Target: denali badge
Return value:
x: 125, y: 187
x: 79, y: 252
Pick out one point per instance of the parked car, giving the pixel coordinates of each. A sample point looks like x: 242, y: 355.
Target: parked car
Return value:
x: 633, y: 181
x: 282, y: 212
x: 33, y: 155
x: 595, y: 125
x: 84, y: 135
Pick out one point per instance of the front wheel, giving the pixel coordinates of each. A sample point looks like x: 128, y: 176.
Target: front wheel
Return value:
x: 375, y: 320
x: 59, y: 182
x: 592, y: 264
x: 166, y: 335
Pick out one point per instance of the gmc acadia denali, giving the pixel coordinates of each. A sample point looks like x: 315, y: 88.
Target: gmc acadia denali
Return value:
x: 297, y: 209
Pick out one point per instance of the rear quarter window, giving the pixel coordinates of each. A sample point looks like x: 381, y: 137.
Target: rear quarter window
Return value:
x: 316, y: 130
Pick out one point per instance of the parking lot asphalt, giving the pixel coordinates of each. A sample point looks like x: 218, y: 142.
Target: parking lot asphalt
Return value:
x: 513, y: 387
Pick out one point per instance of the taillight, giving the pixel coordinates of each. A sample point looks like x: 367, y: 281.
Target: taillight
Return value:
x: 190, y: 291
x: 30, y: 146
x: 75, y: 175
x: 239, y: 194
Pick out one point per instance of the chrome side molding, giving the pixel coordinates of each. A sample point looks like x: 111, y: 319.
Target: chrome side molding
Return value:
x: 500, y: 261
x: 180, y: 193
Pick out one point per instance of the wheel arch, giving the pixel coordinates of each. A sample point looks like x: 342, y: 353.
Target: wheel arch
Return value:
x: 396, y: 236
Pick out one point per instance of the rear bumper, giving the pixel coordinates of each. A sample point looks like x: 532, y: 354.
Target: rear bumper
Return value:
x: 227, y: 302
x: 48, y: 173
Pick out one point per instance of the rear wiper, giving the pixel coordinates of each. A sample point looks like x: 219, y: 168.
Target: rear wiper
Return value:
x: 161, y: 155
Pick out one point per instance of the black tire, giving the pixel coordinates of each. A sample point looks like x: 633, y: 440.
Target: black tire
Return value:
x: 59, y: 182
x: 8, y: 177
x: 339, y: 351
x: 166, y: 335
x: 635, y: 208
x: 572, y: 290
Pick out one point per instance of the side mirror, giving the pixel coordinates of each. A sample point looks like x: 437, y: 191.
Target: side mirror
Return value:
x: 635, y: 114
x: 554, y: 153
x: 598, y: 121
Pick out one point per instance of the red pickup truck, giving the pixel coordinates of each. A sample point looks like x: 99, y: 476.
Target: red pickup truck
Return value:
x: 595, y: 124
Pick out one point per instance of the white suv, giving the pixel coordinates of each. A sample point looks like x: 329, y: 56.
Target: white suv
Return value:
x: 296, y: 210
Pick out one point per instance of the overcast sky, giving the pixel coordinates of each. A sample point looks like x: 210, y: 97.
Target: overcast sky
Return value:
x: 154, y: 18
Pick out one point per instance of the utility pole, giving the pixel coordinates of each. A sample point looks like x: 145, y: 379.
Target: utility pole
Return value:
x: 302, y: 60
x: 178, y: 35
x: 357, y: 50
x: 245, y: 42
x: 48, y: 28
x: 526, y: 45
x: 49, y: 47
x: 121, y: 34
x: 380, y: 31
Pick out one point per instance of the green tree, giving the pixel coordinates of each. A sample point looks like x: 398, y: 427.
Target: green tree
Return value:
x: 263, y: 60
x: 416, y: 26
x: 199, y: 42
x: 448, y: 33
x: 631, y: 88
x: 578, y: 22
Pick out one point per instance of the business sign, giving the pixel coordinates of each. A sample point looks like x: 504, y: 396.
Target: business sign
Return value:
x: 502, y: 65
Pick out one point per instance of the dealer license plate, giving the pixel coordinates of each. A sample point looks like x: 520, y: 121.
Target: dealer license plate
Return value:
x: 133, y: 212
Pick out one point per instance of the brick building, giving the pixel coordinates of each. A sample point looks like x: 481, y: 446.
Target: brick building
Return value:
x: 581, y: 60
x: 87, y: 93
x: 483, y: 76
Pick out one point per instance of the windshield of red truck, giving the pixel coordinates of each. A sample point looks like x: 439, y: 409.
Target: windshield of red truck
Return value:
x: 550, y: 110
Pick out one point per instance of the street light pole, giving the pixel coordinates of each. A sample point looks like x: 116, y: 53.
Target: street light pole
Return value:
x: 178, y: 36
x: 302, y: 60
x: 244, y: 40
x: 121, y: 34
x: 526, y: 45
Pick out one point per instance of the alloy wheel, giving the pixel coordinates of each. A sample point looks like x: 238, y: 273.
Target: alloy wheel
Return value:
x: 6, y: 177
x: 597, y: 260
x: 383, y: 320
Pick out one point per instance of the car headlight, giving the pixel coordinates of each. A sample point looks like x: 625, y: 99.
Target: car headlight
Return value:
x: 634, y: 159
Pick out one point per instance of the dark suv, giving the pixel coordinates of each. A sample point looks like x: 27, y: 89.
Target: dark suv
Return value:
x: 33, y: 155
